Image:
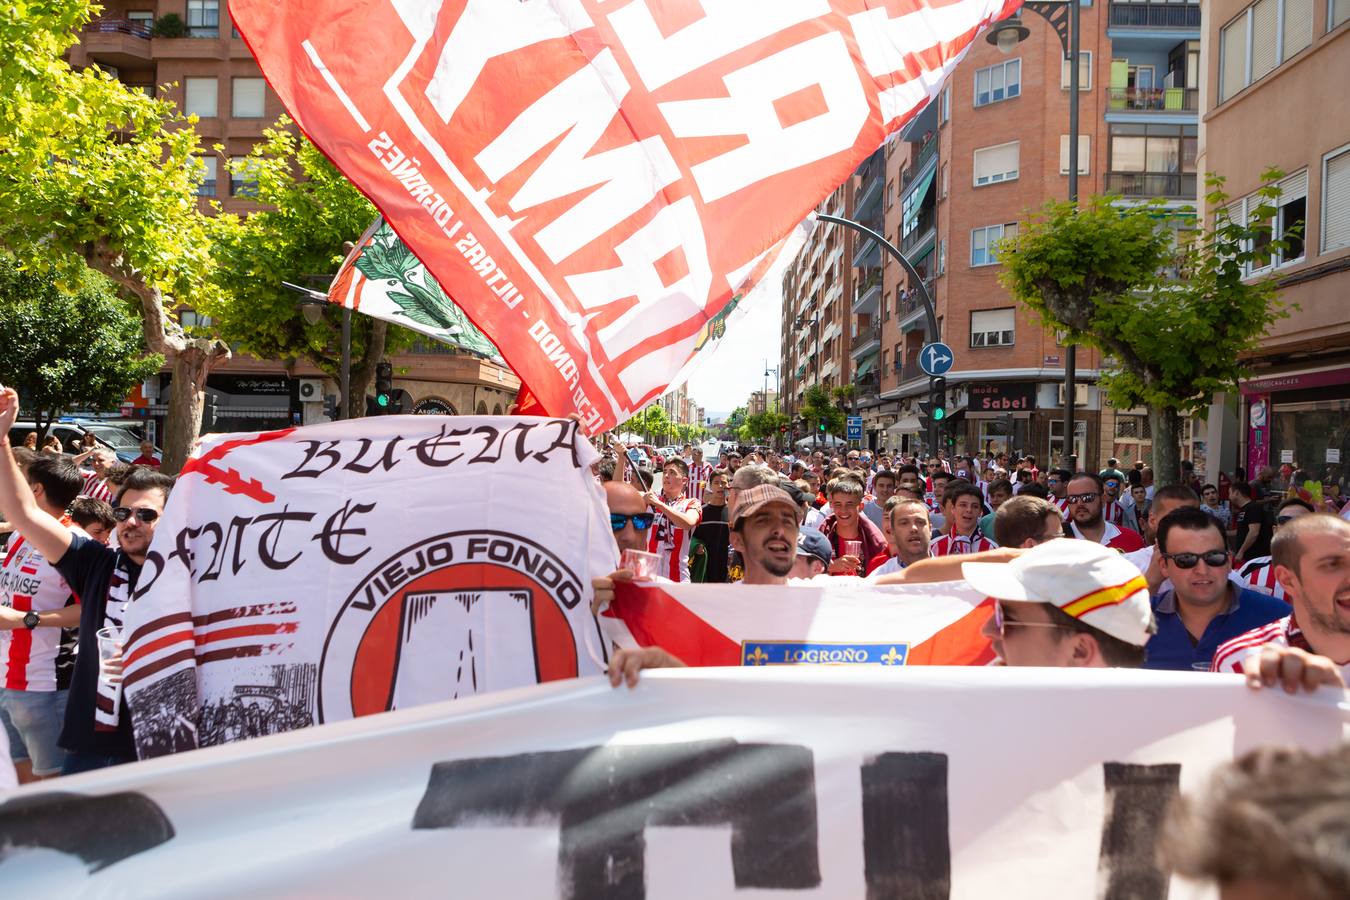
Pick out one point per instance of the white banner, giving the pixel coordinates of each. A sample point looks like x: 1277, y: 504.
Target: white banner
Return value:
x: 311, y: 575
x: 801, y: 782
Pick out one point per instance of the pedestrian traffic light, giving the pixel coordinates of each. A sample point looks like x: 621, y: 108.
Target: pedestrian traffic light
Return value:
x: 384, y: 387
x: 821, y: 426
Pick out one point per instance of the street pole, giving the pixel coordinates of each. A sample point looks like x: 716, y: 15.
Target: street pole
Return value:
x: 929, y: 311
x: 345, y: 372
x: 1071, y: 351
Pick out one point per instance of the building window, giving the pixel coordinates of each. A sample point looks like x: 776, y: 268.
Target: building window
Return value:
x: 1336, y: 200
x: 983, y: 241
x: 1084, y: 153
x: 203, y: 18
x: 999, y: 82
x: 199, y: 97
x: 945, y: 105
x: 1337, y: 12
x: 249, y: 97
x: 1291, y: 218
x: 995, y: 164
x: 890, y: 193
x: 942, y: 256
x: 144, y: 18
x: 207, y: 187
x: 1263, y: 36
x: 189, y: 318
x: 944, y: 179
x: 992, y: 327
x: 243, y: 180
x: 1084, y: 72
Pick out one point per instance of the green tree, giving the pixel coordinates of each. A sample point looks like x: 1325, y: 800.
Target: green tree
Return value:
x: 736, y: 419
x: 818, y: 406
x: 77, y: 349
x: 1099, y: 274
x: 93, y: 171
x: 310, y: 212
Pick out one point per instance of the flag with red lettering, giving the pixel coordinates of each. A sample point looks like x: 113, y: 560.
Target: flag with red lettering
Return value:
x: 832, y: 621
x: 596, y: 182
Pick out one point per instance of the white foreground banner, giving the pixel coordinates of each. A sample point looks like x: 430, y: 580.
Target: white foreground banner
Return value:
x: 846, y: 782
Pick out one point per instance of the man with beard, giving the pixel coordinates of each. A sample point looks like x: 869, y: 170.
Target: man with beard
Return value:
x: 1311, y: 646
x: 103, y: 578
x: 1114, y: 508
x: 910, y: 536
x: 1085, y: 516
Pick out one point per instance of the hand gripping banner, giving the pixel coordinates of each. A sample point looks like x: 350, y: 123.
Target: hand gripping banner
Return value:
x: 594, y: 182
x: 318, y: 574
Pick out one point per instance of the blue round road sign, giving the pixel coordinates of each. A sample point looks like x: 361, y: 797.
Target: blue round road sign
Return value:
x: 936, y: 359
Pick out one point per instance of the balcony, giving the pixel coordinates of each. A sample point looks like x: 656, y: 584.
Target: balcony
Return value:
x: 868, y: 386
x: 866, y: 340
x: 121, y: 43
x: 872, y: 174
x: 926, y: 152
x: 1173, y: 186
x: 909, y: 371
x: 866, y: 252
x: 1152, y: 99
x: 867, y: 291
x: 921, y: 231
x: 1155, y: 15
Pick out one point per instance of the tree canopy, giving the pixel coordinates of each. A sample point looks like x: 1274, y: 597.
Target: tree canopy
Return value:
x: 77, y: 349
x: 1173, y: 318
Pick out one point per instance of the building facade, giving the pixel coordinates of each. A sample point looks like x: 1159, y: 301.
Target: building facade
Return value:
x: 1268, y: 101
x: 208, y: 71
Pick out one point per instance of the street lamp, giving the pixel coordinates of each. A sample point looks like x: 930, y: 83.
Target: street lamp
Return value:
x: 1064, y: 18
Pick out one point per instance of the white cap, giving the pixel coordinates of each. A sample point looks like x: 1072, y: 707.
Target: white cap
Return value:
x: 1092, y: 583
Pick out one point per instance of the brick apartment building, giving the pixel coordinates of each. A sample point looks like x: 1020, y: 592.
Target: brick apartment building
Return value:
x: 992, y: 147
x: 1268, y: 100
x: 209, y: 72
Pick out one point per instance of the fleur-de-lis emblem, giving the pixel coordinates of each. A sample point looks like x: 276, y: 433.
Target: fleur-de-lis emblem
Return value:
x: 893, y: 658
x: 758, y: 658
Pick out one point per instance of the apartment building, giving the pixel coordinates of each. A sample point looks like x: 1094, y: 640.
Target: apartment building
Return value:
x: 818, y: 288
x: 761, y: 402
x: 209, y: 72
x: 956, y: 180
x: 1273, y: 74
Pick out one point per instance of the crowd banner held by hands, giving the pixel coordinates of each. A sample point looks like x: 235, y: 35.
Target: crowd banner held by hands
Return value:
x: 831, y: 621
x: 382, y: 278
x: 831, y: 782
x: 597, y: 184
x: 317, y: 574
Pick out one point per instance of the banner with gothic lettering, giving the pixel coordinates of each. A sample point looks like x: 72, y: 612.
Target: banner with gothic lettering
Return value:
x: 596, y: 182
x: 318, y: 574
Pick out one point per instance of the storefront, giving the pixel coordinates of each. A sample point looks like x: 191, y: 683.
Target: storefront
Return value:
x: 1299, y: 420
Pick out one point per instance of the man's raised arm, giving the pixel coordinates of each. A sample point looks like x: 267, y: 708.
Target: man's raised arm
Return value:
x: 47, y: 535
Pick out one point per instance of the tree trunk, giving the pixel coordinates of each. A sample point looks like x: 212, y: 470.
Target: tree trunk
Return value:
x: 192, y: 358
x: 1166, y: 426
x: 363, y: 370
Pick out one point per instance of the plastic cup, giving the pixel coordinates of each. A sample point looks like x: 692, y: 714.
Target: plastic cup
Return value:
x: 643, y: 565
x: 852, y: 548
x: 109, y: 645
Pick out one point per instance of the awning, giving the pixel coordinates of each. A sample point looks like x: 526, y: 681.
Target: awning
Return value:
x: 914, y: 203
x: 907, y: 425
x: 866, y: 366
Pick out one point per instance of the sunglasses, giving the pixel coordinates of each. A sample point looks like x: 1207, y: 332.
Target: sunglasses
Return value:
x: 641, y: 521
x: 122, y: 514
x: 1212, y: 558
x: 1282, y: 520
x: 1082, y: 498
x: 1000, y: 623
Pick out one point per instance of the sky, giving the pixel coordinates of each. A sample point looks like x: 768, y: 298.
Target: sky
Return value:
x: 735, y: 369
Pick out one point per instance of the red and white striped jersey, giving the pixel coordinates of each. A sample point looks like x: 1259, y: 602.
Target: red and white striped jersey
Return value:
x: 1115, y: 537
x: 671, y: 541
x: 1113, y: 512
x: 1061, y: 505
x: 38, y: 659
x: 96, y: 487
x: 952, y: 544
x: 1281, y: 633
x: 1259, y: 575
x: 699, y: 473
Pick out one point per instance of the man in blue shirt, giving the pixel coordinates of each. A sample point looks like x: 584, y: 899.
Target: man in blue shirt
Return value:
x: 1203, y: 609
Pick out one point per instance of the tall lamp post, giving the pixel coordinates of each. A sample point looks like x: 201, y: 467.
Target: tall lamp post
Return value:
x: 930, y: 312
x: 312, y: 305
x: 1063, y: 16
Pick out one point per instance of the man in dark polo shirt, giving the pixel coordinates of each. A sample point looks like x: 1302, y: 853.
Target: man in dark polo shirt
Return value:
x: 97, y: 730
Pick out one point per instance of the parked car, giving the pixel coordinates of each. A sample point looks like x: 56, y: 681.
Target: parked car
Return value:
x: 125, y: 443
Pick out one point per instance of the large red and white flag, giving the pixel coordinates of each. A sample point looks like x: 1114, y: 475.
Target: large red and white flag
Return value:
x: 594, y: 182
x: 829, y: 621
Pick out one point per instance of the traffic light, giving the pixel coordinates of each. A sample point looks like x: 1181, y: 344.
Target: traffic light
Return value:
x: 330, y: 407
x: 821, y: 426
x: 937, y: 398
x: 782, y: 429
x: 384, y: 388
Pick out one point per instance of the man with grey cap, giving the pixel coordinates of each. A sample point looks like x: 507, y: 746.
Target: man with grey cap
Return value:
x: 1066, y: 603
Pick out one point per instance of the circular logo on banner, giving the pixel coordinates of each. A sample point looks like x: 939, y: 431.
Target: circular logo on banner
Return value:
x: 451, y: 616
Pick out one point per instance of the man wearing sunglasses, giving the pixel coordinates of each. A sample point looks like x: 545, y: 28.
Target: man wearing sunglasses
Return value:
x: 1065, y: 603
x: 629, y: 516
x: 1203, y: 609
x: 1259, y: 574
x: 97, y: 730
x: 1086, y: 522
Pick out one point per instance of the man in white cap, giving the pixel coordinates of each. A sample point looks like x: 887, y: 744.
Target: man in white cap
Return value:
x: 1066, y: 603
